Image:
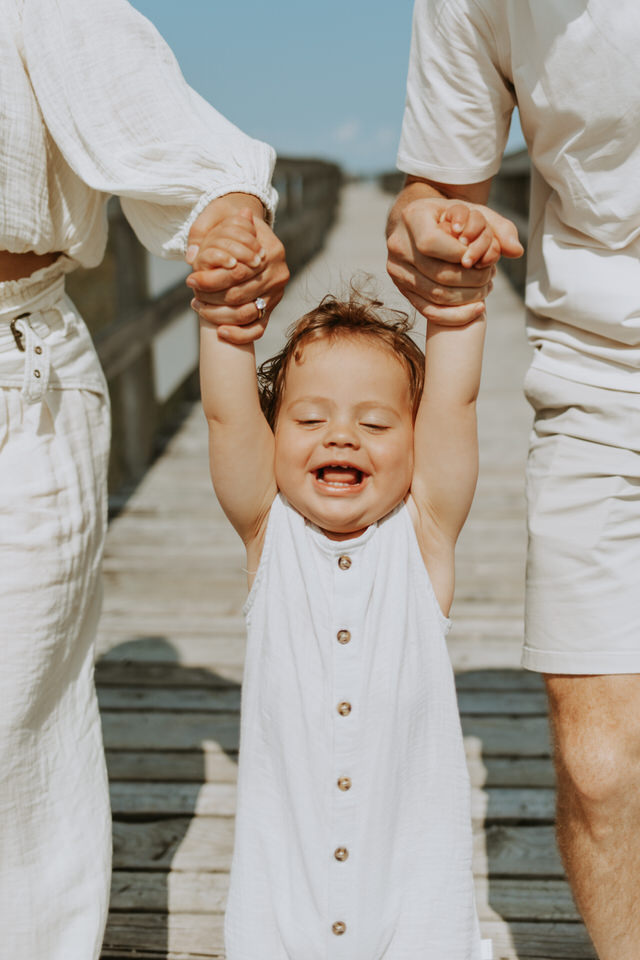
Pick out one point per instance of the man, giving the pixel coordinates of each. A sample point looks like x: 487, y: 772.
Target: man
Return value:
x: 571, y: 68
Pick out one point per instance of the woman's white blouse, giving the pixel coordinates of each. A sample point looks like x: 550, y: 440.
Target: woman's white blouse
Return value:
x: 93, y: 103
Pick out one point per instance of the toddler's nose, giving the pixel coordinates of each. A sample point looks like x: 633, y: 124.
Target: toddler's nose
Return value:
x: 341, y: 435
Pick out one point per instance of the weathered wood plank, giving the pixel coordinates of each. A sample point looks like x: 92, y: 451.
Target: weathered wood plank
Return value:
x: 185, y: 892
x: 503, y: 702
x: 151, y: 936
x: 479, y: 650
x: 197, y: 935
x: 498, y: 680
x: 133, y: 673
x: 188, y: 641
x: 510, y: 771
x: 205, y: 843
x: 219, y: 799
x: 204, y: 765
x: 524, y: 900
x: 138, y: 730
x: 147, y: 673
x: 179, y: 700
x: 169, y: 892
x: 512, y: 806
x: 177, y: 799
x: 147, y: 730
x: 539, y: 941
x: 503, y: 736
x: 209, y: 763
x: 191, y: 639
x: 517, y: 852
x: 182, y: 843
x: 225, y: 700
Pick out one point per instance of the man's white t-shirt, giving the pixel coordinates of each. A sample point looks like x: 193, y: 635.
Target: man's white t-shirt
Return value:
x: 573, y: 69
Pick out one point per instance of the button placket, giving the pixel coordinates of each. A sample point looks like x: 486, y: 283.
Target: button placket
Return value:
x: 346, y: 655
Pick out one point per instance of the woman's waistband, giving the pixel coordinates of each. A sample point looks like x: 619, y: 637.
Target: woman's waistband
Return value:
x: 30, y: 294
x: 44, y: 343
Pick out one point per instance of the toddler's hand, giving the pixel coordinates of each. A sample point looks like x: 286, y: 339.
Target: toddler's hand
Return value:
x: 470, y: 227
x: 232, y: 241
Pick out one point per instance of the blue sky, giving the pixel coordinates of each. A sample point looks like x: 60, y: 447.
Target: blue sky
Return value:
x: 323, y: 78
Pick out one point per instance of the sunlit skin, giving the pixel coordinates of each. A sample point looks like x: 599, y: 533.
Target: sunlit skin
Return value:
x: 346, y: 450
x: 344, y: 435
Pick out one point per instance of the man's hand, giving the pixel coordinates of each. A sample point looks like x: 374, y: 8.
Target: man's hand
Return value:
x: 233, y: 266
x: 446, y: 280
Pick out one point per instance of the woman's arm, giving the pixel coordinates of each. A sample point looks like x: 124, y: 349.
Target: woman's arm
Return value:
x: 116, y: 105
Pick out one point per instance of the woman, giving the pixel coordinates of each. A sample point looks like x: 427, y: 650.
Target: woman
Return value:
x: 93, y: 104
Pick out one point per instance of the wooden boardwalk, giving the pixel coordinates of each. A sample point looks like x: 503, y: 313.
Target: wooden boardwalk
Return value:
x: 170, y: 665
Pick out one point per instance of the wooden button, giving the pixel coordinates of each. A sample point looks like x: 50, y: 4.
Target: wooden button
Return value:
x: 344, y: 708
x: 339, y: 928
x: 341, y: 853
x: 38, y: 350
x: 344, y: 562
x: 343, y: 636
x: 36, y: 374
x: 344, y: 783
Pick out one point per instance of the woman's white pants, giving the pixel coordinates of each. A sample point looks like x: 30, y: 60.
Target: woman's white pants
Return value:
x: 55, y: 838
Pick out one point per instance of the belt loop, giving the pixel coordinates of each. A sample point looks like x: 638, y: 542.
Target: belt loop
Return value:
x: 37, y: 361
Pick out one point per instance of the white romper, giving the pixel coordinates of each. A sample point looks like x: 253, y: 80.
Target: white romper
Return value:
x: 353, y: 835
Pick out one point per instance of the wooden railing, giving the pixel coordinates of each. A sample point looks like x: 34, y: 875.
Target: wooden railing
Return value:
x: 148, y: 342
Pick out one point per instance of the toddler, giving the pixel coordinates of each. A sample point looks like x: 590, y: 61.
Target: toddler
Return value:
x: 348, y: 467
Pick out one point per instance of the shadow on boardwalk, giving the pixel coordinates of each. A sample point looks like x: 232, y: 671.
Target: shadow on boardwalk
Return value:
x: 523, y: 899
x: 172, y: 737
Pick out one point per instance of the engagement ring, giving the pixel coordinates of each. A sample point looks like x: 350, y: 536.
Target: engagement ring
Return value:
x: 261, y: 304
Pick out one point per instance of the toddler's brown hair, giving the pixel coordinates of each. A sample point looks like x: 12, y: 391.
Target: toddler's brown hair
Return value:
x: 359, y: 316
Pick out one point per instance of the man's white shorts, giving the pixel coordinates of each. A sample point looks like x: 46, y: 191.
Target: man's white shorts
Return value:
x: 583, y: 491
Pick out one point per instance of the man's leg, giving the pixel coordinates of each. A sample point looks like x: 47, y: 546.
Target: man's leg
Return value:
x: 582, y: 626
x: 596, y: 730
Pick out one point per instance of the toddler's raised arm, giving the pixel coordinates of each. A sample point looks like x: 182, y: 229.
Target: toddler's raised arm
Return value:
x: 446, y: 442
x: 240, y: 440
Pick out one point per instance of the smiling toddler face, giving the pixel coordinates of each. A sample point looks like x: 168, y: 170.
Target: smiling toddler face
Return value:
x: 344, y: 434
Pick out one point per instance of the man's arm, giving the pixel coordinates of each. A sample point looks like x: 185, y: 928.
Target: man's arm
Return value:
x: 428, y: 266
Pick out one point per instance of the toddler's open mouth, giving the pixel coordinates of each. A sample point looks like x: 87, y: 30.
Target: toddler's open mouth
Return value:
x: 339, y: 476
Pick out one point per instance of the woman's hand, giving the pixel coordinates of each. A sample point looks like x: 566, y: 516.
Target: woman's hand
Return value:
x: 236, y: 259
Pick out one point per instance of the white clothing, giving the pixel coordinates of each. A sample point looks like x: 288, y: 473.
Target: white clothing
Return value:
x: 93, y: 104
x: 583, y: 489
x: 55, y: 826
x: 353, y: 834
x: 572, y: 69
